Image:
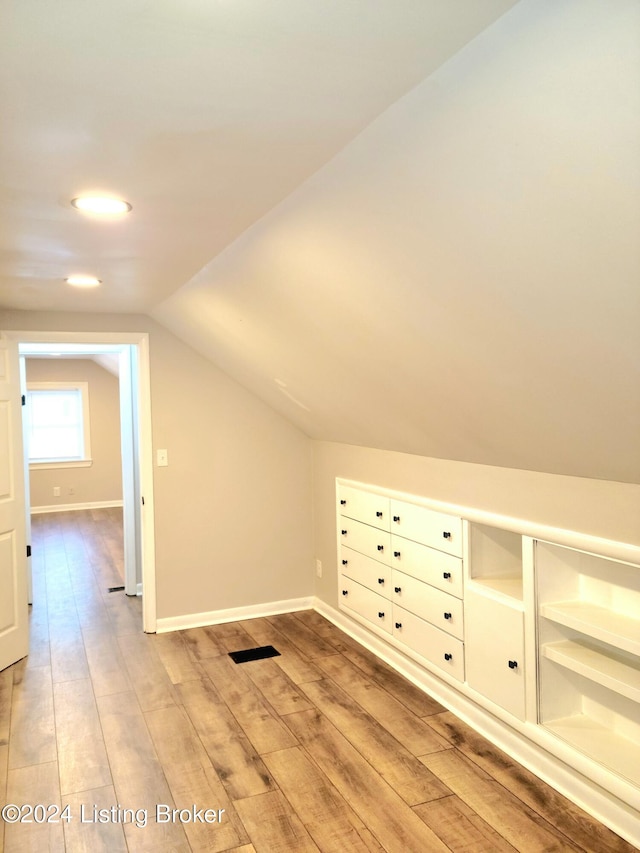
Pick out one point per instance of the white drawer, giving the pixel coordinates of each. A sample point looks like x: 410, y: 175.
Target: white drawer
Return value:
x: 370, y: 573
x: 433, y: 567
x: 367, y: 604
x: 435, y: 529
x: 441, y: 609
x: 441, y: 649
x: 363, y: 506
x: 366, y: 539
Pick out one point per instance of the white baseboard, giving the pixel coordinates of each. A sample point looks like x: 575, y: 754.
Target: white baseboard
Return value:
x: 39, y: 510
x: 233, y: 614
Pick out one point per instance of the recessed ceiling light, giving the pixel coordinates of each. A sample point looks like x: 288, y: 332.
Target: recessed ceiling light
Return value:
x: 101, y: 204
x: 83, y: 281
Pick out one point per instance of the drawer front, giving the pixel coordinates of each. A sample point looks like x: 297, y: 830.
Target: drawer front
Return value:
x: 433, y: 567
x: 365, y: 571
x: 441, y: 609
x: 363, y: 506
x: 371, y: 606
x: 494, y: 634
x: 439, y: 648
x: 435, y: 529
x: 368, y: 540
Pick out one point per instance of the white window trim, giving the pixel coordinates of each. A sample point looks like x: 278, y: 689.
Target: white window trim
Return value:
x: 87, y: 460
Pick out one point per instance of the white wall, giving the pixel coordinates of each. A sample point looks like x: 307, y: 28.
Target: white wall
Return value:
x: 461, y: 281
x: 233, y: 508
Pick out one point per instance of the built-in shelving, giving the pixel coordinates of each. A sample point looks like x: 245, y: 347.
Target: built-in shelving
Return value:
x: 600, y: 743
x: 596, y: 621
x: 495, y: 561
x: 618, y: 675
x: 510, y: 588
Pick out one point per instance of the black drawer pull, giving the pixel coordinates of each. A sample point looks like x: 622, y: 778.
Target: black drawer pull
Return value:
x: 446, y: 534
x: 396, y: 518
x: 446, y: 575
x: 344, y: 562
x: 396, y: 553
x: 447, y: 616
x: 398, y: 624
x: 381, y: 614
x: 513, y: 664
x: 380, y: 580
x: 447, y: 656
x: 378, y: 515
x: 342, y: 503
x: 344, y: 532
x: 398, y: 588
x: 345, y: 592
x: 380, y: 547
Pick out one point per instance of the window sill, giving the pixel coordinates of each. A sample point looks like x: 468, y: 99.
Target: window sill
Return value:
x: 61, y: 463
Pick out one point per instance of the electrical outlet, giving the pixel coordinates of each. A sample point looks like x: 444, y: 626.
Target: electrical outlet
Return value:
x: 319, y: 568
x: 162, y: 458
x: 56, y: 491
x: 71, y: 491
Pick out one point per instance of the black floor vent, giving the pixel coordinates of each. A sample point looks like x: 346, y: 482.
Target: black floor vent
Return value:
x: 115, y: 588
x: 254, y: 654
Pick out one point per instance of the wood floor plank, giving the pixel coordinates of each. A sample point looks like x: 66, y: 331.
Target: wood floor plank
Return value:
x: 332, y: 824
x: 390, y: 819
x: 395, y: 764
x: 238, y: 765
x: 32, y: 733
x: 179, y: 664
x: 201, y: 643
x: 329, y: 632
x: 68, y: 658
x: 523, y: 828
x: 549, y: 804
x: 107, y: 668
x: 33, y: 785
x: 412, y: 731
x: 88, y: 832
x: 278, y: 689
x: 460, y: 827
x: 193, y: 780
x: 273, y: 826
x: 82, y: 757
x: 259, y: 722
x: 231, y: 636
x: 6, y: 691
x: 296, y: 666
x: 138, y: 778
x: 124, y: 613
x: 403, y: 690
x: 307, y: 641
x: 149, y: 677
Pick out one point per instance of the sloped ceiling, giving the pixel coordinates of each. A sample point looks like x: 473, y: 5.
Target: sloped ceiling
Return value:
x: 459, y: 277
x: 463, y: 280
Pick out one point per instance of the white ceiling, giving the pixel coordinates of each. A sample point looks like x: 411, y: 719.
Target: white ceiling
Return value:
x: 202, y: 113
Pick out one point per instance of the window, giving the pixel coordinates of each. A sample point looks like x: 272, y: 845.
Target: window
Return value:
x: 58, y: 424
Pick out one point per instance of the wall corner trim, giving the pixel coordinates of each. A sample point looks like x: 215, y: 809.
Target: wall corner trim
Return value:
x: 233, y: 614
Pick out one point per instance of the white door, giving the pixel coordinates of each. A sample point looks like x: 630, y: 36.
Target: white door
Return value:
x: 14, y: 622
x: 27, y: 493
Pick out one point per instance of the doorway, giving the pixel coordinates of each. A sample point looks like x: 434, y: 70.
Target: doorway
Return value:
x: 128, y: 356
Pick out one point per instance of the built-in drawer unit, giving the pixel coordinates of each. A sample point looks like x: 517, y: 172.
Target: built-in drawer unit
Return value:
x: 371, y: 606
x: 364, y: 506
x: 443, y: 571
x: 439, y: 608
x: 435, y: 646
x: 420, y: 524
x: 362, y: 569
x: 366, y: 539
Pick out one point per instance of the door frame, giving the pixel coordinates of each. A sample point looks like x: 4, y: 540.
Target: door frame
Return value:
x: 140, y: 536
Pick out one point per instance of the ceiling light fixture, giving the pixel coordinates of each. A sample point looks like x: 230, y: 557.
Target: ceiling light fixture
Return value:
x: 83, y: 281
x: 101, y: 205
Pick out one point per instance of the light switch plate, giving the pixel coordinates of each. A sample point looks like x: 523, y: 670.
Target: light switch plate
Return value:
x: 162, y: 458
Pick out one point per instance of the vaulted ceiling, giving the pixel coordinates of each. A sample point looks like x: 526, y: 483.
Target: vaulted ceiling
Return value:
x: 407, y: 225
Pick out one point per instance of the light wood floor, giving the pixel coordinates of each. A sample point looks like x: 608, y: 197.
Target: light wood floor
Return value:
x: 323, y: 748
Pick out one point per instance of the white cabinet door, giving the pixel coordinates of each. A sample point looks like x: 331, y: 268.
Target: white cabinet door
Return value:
x: 364, y: 506
x: 368, y: 540
x: 432, y: 644
x: 494, y: 642
x: 435, y: 529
